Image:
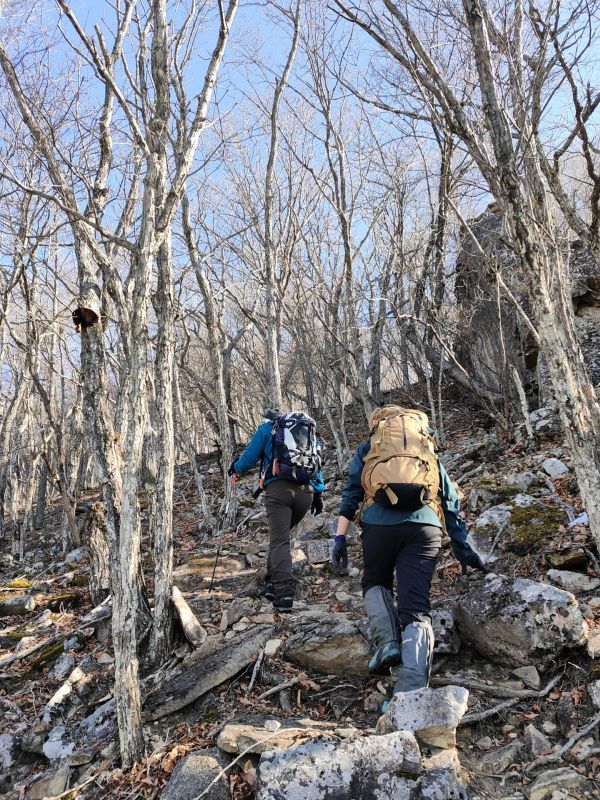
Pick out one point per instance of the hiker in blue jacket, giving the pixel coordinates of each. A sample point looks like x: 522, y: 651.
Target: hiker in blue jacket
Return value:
x: 286, y: 499
x: 407, y: 543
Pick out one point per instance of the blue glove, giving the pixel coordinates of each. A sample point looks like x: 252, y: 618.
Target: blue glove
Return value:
x: 339, y: 555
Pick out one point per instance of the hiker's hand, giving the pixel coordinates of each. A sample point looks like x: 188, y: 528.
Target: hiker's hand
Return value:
x: 339, y: 555
x: 476, y: 563
x: 234, y: 478
x: 317, y: 504
x: 231, y: 471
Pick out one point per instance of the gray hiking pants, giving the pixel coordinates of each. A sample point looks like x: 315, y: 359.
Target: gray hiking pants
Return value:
x: 286, y: 503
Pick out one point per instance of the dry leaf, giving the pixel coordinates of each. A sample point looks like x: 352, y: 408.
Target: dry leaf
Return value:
x: 249, y: 776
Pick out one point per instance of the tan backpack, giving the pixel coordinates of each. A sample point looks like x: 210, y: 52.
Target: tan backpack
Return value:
x: 401, y: 468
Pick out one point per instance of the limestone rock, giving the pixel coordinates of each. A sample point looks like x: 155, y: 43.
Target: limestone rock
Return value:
x: 62, y: 667
x: 567, y: 558
x: 554, y: 467
x: 500, y: 760
x: 329, y: 643
x: 563, y: 782
x: 593, y: 643
x: 537, y: 743
x: 573, y: 581
x: 594, y: 693
x: 272, y: 646
x: 49, y: 784
x: 233, y: 613
x: 543, y: 418
x: 318, y: 551
x: 529, y: 675
x: 495, y: 517
x: 79, y: 554
x: 385, y: 767
x: 194, y: 773
x: 486, y: 527
x: 237, y: 737
x: 17, y: 606
x: 484, y: 744
x: 518, y: 621
x: 524, y: 481
x: 488, y: 493
x: 7, y: 746
x: 584, y: 749
x: 55, y: 749
x: 442, y: 777
x: 431, y: 714
x: 447, y: 639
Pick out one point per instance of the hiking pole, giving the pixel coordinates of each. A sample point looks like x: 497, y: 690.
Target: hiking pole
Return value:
x: 222, y: 534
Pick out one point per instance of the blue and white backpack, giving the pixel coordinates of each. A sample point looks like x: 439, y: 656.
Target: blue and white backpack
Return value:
x: 295, y: 449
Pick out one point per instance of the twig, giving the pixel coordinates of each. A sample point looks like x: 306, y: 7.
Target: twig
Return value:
x: 335, y: 689
x: 478, y: 717
x: 275, y: 689
x: 478, y: 686
x: 255, y: 671
x: 558, y: 754
x: 490, y: 712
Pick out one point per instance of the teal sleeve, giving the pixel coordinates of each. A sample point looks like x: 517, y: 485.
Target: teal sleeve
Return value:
x: 353, y: 493
x: 457, y: 530
x: 255, y: 451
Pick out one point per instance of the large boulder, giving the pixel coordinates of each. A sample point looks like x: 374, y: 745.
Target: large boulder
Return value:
x: 432, y: 715
x: 519, y: 525
x: 383, y: 767
x: 329, y: 643
x: 518, y: 621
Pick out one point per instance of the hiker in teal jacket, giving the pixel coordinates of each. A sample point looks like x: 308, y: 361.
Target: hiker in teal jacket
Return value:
x: 286, y: 502
x: 406, y: 543
x: 260, y: 449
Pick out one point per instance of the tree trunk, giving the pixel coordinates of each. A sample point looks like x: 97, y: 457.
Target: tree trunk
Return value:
x: 162, y: 625
x: 94, y: 536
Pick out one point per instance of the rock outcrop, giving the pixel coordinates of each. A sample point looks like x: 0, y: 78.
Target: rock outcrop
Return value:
x: 519, y: 622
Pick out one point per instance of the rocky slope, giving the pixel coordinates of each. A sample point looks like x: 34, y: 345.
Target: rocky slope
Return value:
x: 273, y: 706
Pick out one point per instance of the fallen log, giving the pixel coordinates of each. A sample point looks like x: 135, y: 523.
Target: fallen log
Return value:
x: 217, y: 662
x: 193, y: 631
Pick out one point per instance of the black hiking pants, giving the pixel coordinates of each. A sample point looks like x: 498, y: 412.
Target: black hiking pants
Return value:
x: 409, y: 549
x: 286, y: 503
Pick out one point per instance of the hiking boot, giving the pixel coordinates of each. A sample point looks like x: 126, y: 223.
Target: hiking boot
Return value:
x: 385, y: 628
x: 268, y: 591
x: 284, y: 603
x: 386, y: 656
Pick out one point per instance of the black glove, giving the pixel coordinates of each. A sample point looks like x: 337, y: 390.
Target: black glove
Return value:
x: 232, y: 470
x: 476, y: 563
x: 339, y: 554
x: 317, y: 504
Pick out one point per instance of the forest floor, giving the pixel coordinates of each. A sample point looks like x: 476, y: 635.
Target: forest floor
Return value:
x: 57, y: 723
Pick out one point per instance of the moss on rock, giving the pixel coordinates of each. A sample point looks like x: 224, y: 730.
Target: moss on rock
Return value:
x: 19, y: 583
x: 46, y: 655
x: 530, y: 524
